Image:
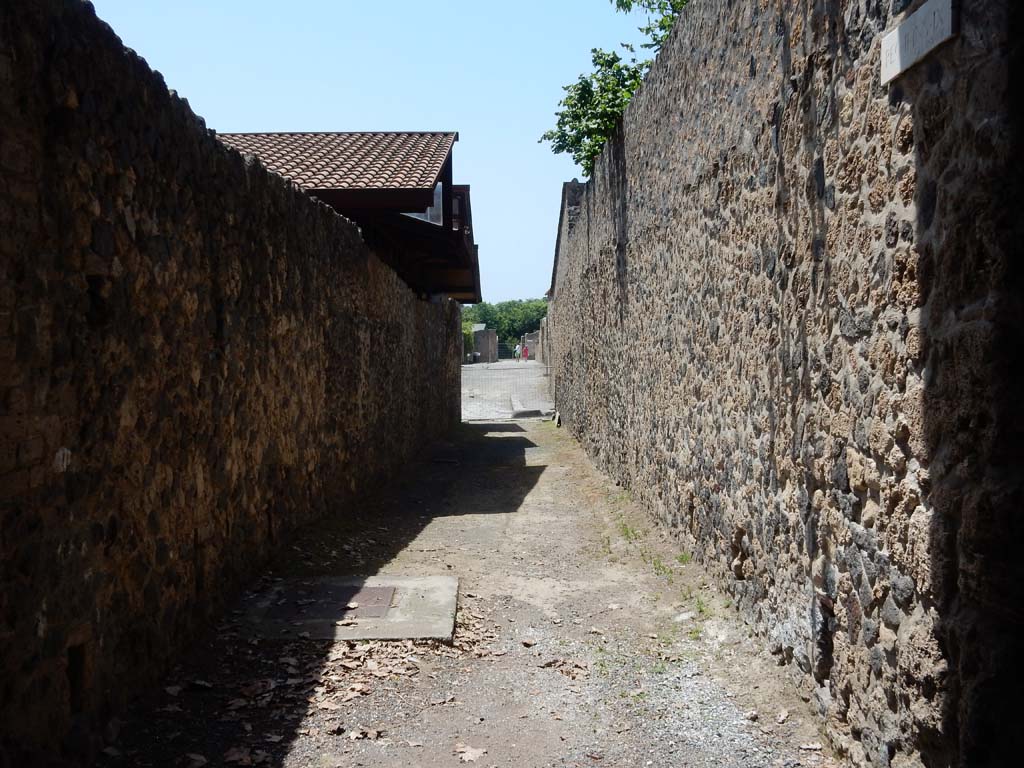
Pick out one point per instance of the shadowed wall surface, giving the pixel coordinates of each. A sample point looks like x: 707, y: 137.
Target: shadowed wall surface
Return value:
x: 787, y: 315
x: 194, y: 358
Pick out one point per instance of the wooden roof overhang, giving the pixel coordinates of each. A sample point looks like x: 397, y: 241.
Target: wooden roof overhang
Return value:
x: 375, y: 177
x: 410, y: 200
x: 431, y: 259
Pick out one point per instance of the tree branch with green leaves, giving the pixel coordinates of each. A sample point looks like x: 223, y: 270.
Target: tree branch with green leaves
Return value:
x: 593, y: 106
x: 661, y: 16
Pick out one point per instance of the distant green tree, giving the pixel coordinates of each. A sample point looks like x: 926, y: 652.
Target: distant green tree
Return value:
x: 509, y: 319
x: 592, y: 106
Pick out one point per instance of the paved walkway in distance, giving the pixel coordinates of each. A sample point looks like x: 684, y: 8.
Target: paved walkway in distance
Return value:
x: 505, y: 389
x: 584, y: 639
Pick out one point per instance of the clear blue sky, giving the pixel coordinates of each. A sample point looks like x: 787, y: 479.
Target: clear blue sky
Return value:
x: 491, y: 71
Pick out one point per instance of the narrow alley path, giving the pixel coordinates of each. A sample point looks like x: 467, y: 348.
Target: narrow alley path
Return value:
x: 583, y: 639
x: 504, y: 390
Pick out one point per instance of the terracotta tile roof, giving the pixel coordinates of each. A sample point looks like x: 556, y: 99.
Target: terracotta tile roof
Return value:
x: 374, y: 160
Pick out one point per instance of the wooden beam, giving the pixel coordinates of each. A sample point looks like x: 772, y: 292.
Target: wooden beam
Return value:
x: 451, y: 276
x: 348, y: 201
x: 446, y: 194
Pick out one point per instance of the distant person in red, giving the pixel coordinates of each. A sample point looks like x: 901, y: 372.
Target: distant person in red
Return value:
x: 526, y: 353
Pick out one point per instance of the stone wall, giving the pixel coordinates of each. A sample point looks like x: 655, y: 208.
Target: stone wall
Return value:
x: 531, y: 341
x: 486, y: 343
x: 787, y: 315
x: 542, y: 342
x: 194, y: 358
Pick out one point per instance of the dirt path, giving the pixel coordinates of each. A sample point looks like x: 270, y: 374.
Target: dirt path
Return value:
x: 584, y: 639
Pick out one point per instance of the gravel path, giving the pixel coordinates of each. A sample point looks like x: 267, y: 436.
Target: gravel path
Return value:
x: 495, y: 391
x: 584, y: 639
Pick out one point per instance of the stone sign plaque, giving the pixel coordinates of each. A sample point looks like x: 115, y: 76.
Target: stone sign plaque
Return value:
x: 926, y: 28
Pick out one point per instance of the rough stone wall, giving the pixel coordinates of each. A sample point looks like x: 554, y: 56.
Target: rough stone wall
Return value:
x: 194, y: 358
x: 787, y: 315
x: 532, y: 343
x: 486, y: 343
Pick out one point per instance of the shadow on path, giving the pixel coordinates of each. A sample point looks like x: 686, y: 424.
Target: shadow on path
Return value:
x: 239, y: 698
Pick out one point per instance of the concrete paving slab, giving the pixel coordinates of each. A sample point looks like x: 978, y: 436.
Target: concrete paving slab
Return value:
x: 421, y: 608
x: 504, y: 390
x: 520, y: 411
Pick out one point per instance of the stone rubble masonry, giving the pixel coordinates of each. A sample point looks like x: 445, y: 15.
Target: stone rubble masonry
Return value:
x: 787, y: 316
x: 194, y: 358
x: 532, y: 343
x: 542, y: 343
x: 486, y: 343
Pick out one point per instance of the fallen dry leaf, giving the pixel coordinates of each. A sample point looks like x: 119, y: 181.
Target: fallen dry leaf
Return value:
x: 238, y: 755
x: 257, y: 687
x: 571, y: 669
x: 468, y: 754
x: 355, y: 691
x: 370, y: 734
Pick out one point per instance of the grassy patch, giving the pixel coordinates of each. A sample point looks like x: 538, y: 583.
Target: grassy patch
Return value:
x: 660, y: 568
x: 702, y: 607
x: 683, y: 558
x: 622, y: 497
x: 628, y: 532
